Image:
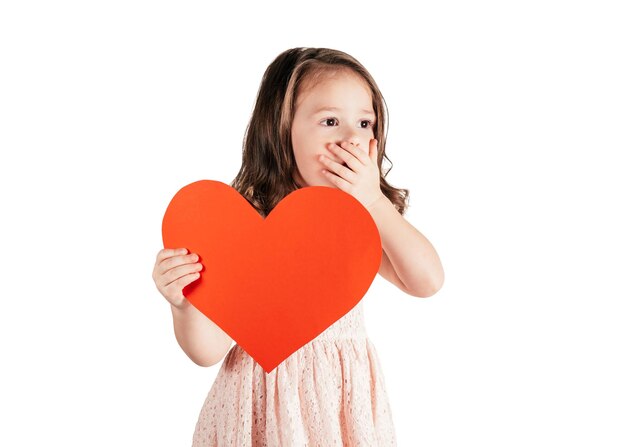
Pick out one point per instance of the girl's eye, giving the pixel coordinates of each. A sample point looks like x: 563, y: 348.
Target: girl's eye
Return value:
x: 334, y: 120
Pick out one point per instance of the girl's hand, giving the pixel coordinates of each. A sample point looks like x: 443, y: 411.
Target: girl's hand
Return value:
x: 173, y: 270
x: 361, y: 178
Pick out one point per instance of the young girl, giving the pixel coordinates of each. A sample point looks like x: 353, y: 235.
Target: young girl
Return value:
x: 318, y: 121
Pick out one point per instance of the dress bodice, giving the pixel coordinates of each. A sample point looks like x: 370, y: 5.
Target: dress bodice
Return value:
x: 351, y: 325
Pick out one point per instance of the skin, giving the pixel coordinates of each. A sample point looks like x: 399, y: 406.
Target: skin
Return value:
x: 340, y: 142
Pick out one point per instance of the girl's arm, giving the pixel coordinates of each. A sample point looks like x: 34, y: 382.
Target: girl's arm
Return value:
x: 409, y: 260
x: 204, y: 342
x: 387, y: 271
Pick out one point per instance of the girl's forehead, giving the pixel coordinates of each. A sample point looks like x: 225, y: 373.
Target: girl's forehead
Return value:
x: 329, y: 77
x: 333, y: 86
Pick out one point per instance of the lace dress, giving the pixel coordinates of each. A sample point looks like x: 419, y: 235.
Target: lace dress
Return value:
x: 330, y: 392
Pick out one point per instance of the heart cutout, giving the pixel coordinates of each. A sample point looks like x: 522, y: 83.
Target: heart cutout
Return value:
x: 274, y: 284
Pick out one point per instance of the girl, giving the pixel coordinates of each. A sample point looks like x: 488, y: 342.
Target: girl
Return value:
x: 318, y: 121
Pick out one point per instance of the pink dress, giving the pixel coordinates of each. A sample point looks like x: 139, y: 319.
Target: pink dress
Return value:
x: 330, y: 392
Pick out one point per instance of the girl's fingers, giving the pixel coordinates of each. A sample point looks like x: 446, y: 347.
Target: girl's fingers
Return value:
x: 175, y: 261
x: 187, y: 279
x: 180, y: 284
x: 169, y: 252
x: 180, y: 271
x: 173, y: 270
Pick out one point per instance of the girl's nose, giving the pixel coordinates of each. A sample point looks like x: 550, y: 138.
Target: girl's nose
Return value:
x: 352, y: 141
x: 351, y: 137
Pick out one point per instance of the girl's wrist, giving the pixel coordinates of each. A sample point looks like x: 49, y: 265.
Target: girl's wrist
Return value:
x: 182, y: 307
x: 375, y: 202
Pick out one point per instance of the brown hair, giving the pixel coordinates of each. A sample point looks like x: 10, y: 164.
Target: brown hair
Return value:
x: 268, y: 162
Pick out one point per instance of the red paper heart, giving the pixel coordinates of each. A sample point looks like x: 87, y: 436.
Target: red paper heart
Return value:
x: 274, y: 284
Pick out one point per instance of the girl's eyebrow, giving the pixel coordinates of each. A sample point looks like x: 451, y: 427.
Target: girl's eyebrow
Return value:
x: 334, y: 109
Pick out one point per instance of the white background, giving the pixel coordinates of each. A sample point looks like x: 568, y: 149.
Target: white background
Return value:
x: 507, y: 124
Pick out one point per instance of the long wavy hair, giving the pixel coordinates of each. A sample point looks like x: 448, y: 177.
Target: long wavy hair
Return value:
x: 268, y: 163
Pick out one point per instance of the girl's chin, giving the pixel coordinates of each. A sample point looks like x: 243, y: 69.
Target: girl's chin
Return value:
x: 319, y: 180
x: 325, y: 181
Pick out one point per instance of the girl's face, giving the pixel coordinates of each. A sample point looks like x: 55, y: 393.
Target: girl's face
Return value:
x: 337, y: 109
